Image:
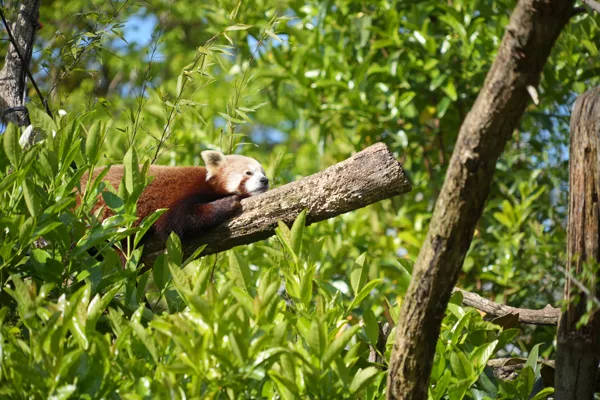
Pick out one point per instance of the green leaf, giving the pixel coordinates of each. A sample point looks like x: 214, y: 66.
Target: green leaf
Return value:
x: 26, y: 230
x: 450, y: 90
x: 543, y: 394
x: 457, y: 329
x: 284, y: 235
x: 525, y: 381
x: 180, y: 280
x: 317, y: 338
x: 442, y: 385
x: 338, y: 344
x: 437, y: 81
x: 503, y: 219
x: 160, y: 271
x: 240, y: 272
x: 174, y: 249
x: 131, y: 176
x: 461, y: 366
x: 32, y: 199
x: 363, y: 378
x: 297, y: 232
x: 40, y: 119
x: 481, y: 355
x: 359, y: 273
x: 63, y: 392
x: 532, y: 360
x: 146, y: 224
x: 11, y: 144
x: 98, y: 305
x: 364, y: 293
x: 286, y: 388
x: 93, y: 142
x: 114, y: 202
x: 238, y: 27
x: 454, y: 24
x: 272, y: 35
x: 145, y: 338
x: 371, y: 326
x: 306, y: 285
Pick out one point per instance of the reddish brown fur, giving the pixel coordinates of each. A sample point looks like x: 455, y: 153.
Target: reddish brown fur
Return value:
x: 194, y: 204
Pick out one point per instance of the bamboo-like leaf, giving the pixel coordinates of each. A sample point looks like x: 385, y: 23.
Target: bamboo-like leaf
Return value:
x: 240, y: 272
x: 146, y: 224
x: 358, y: 273
x: 93, y: 142
x: 238, y: 27
x: 371, y: 326
x: 11, y: 144
x: 362, y: 379
x: 32, y: 199
x: 338, y: 344
x: 364, y: 293
x: 297, y: 232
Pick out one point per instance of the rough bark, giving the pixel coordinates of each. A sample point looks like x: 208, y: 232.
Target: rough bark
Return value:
x: 13, y: 74
x: 594, y: 5
x: 530, y: 34
x: 367, y: 177
x: 546, y: 316
x: 578, y: 352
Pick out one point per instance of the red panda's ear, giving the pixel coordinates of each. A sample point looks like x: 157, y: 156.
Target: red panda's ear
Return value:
x: 213, y: 160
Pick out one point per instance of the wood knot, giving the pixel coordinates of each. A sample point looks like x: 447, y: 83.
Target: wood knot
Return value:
x: 470, y: 161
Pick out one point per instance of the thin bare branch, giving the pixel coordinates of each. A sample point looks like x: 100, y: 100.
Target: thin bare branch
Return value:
x: 546, y: 316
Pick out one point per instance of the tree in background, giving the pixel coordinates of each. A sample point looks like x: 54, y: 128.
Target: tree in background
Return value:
x: 298, y: 86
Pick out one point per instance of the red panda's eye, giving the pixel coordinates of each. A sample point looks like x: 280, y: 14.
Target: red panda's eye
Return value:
x: 248, y: 173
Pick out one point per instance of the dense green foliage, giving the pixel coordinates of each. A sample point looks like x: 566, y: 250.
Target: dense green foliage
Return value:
x: 299, y: 86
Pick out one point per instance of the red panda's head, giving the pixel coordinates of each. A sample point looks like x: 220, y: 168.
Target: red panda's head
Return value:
x: 235, y: 174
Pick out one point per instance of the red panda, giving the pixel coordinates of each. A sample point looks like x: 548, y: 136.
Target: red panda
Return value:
x: 197, y: 198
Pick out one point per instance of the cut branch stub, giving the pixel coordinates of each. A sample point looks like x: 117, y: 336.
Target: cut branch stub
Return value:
x: 365, y: 178
x: 578, y: 348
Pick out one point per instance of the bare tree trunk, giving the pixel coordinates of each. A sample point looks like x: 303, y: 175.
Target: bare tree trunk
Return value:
x: 14, y: 73
x: 530, y: 34
x: 578, y: 353
x: 365, y: 178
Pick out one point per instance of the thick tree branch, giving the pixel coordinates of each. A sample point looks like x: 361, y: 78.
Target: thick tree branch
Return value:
x: 546, y: 316
x: 530, y: 34
x: 16, y: 66
x: 367, y: 177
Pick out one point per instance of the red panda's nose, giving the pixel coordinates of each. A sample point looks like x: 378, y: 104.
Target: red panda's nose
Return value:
x: 264, y: 180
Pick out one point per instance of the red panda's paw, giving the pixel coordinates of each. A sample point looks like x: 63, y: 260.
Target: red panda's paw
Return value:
x: 236, y: 202
x: 231, y: 204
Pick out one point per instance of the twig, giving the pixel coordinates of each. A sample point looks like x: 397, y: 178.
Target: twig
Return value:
x: 141, y: 100
x: 165, y: 133
x: 85, y: 49
x: 580, y: 285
